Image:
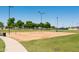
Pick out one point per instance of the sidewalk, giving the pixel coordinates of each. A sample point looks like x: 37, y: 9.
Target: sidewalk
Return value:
x: 12, y: 45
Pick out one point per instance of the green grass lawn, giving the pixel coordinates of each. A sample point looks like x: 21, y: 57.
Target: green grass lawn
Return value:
x: 2, y: 46
x: 58, y: 44
x: 68, y: 43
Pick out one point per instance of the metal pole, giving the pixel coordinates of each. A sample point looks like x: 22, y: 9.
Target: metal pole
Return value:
x: 41, y: 18
x: 41, y: 21
x: 41, y: 14
x: 9, y: 11
x: 9, y: 18
x: 57, y: 24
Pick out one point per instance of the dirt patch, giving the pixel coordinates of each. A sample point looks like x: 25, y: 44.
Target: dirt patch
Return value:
x: 27, y: 36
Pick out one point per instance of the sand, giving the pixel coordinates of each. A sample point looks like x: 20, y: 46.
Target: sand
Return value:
x: 28, y: 36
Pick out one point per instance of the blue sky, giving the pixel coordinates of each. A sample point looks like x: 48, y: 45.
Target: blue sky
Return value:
x: 68, y: 15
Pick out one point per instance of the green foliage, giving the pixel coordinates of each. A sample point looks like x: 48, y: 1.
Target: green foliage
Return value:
x: 2, y: 46
x: 41, y: 25
x: 35, y: 25
x: 19, y: 24
x: 29, y: 24
x: 1, y: 25
x: 47, y: 25
x: 11, y: 23
x: 53, y: 27
x: 69, y: 43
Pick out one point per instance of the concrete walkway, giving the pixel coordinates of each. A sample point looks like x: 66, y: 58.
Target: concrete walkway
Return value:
x: 12, y: 45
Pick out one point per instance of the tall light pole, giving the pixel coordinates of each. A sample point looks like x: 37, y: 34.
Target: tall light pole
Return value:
x: 57, y: 24
x: 41, y: 14
x: 9, y: 17
x: 9, y: 10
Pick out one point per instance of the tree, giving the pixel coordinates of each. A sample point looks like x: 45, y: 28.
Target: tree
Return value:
x: 41, y: 25
x: 35, y: 25
x: 19, y: 24
x: 11, y: 23
x: 1, y: 25
x: 47, y: 25
x: 29, y: 24
x: 53, y: 27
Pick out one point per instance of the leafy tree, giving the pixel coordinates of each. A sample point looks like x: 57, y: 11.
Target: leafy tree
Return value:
x: 19, y: 24
x: 53, y: 27
x: 36, y: 25
x: 11, y: 23
x: 47, y: 25
x: 1, y: 25
x: 41, y: 25
x: 29, y: 24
